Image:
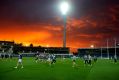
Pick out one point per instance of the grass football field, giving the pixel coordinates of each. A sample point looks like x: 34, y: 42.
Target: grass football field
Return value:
x: 62, y: 70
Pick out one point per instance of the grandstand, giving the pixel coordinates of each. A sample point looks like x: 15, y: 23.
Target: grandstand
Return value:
x: 99, y: 51
x: 5, y: 47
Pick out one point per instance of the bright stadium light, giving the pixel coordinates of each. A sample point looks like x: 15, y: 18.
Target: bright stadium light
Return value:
x: 64, y: 7
x: 92, y: 46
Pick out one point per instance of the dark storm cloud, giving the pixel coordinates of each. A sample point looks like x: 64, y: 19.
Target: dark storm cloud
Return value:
x: 98, y: 17
x: 31, y: 11
x: 88, y: 20
x: 85, y: 7
x: 95, y: 21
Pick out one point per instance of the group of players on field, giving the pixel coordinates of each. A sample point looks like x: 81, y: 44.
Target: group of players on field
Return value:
x: 6, y: 56
x: 87, y: 60
x: 51, y: 59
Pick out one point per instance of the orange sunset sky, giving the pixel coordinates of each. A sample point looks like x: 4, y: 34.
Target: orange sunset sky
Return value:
x: 40, y: 22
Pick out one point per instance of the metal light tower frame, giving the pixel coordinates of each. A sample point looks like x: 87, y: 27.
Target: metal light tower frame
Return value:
x: 107, y: 49
x: 64, y: 7
x: 64, y: 32
x: 101, y: 53
x: 115, y: 47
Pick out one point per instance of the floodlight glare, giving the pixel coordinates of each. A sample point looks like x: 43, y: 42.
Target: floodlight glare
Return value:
x: 92, y: 46
x: 64, y: 6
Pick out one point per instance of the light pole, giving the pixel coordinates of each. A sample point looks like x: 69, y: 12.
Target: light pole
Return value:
x: 64, y: 7
x: 115, y: 47
x: 92, y: 47
x: 101, y: 52
x: 107, y: 49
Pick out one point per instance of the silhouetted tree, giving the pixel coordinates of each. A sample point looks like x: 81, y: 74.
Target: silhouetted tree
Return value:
x: 31, y: 45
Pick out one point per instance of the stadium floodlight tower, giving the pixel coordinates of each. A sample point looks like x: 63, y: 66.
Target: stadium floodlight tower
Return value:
x: 64, y: 7
x: 115, y: 47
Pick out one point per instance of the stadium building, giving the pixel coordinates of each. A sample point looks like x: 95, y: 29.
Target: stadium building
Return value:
x: 6, y: 46
x: 100, y: 52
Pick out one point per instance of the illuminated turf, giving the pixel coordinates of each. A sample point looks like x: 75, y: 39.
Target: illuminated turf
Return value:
x: 62, y: 70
